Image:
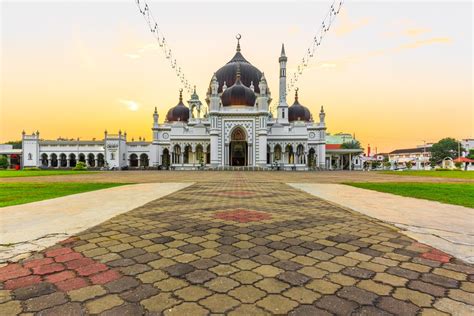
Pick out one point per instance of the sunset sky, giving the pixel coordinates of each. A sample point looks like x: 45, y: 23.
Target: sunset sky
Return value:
x: 394, y: 73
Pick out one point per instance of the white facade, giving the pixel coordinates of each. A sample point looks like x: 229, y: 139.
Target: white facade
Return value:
x: 228, y: 135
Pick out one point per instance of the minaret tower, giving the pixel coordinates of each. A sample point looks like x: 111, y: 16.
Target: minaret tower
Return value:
x: 282, y: 115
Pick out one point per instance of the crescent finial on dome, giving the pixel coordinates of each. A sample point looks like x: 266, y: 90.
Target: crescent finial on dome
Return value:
x: 238, y: 37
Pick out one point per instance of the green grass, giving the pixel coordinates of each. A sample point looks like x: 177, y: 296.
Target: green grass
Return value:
x: 432, y: 173
x: 450, y: 193
x: 20, y: 193
x: 35, y: 173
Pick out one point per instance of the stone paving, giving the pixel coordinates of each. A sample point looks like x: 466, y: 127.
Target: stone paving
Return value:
x: 239, y: 247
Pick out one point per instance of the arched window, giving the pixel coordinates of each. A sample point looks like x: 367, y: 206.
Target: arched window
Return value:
x: 44, y: 160
x: 100, y: 160
x: 54, y: 160
x: 176, y: 154
x: 199, y: 154
x: 300, y: 154
x: 91, y: 160
x: 208, y: 154
x: 277, y: 153
x: 112, y: 156
x: 72, y: 160
x: 165, y: 158
x: 187, y: 154
x: 143, y: 160
x: 63, y: 160
x: 312, y: 158
x: 30, y: 156
x: 82, y: 158
x: 290, y: 154
x: 133, y: 160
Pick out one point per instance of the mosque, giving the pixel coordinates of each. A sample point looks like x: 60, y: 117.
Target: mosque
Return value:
x: 237, y: 131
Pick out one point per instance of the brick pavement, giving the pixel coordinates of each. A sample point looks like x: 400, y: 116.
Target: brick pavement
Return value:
x: 238, y: 247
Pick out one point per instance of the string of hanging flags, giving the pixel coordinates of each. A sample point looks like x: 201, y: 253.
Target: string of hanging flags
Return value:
x: 160, y: 38
x: 325, y: 26
x: 315, y: 43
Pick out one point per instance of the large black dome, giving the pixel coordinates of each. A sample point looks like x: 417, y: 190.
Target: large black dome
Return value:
x: 298, y: 112
x: 238, y: 94
x: 178, y: 113
x: 248, y: 72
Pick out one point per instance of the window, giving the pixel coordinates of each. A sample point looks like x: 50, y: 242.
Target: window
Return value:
x: 30, y: 157
x: 282, y: 113
x: 112, y: 156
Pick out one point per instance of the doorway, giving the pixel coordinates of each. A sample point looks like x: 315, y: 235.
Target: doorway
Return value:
x: 238, y: 148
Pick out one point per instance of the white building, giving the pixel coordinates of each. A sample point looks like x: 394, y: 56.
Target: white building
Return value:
x: 238, y: 130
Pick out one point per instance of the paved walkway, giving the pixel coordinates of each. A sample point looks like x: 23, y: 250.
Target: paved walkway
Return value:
x: 449, y: 228
x: 239, y: 248
x: 35, y: 226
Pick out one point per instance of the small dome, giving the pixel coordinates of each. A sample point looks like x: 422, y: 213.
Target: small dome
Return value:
x: 178, y: 113
x: 238, y: 94
x: 298, y: 112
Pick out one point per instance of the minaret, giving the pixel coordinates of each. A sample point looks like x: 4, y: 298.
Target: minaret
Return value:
x: 155, y: 118
x: 282, y: 115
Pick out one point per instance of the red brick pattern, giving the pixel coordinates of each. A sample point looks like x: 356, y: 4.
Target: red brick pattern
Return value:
x: 66, y: 269
x: 243, y: 215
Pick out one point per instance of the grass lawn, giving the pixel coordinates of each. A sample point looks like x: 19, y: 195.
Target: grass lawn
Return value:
x: 451, y: 193
x: 35, y: 173
x: 20, y: 193
x: 433, y: 173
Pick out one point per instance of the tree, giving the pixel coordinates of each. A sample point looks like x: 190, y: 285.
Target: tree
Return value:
x: 355, y: 144
x: 409, y: 165
x: 16, y: 144
x: 447, y: 147
x: 3, y: 162
x: 471, y: 154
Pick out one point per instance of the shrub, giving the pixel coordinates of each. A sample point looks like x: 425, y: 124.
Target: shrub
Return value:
x: 458, y: 165
x: 3, y: 162
x: 80, y: 166
x: 409, y: 164
x: 31, y: 168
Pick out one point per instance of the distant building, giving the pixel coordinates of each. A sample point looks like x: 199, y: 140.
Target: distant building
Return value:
x: 419, y: 157
x: 340, y: 158
x: 467, y: 144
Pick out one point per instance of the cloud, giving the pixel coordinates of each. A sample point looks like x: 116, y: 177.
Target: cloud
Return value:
x: 419, y: 43
x: 130, y: 104
x: 345, y: 25
x: 345, y: 61
x: 415, y: 31
x: 139, y: 52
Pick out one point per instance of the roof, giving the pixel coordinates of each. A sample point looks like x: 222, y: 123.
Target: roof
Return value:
x: 410, y: 150
x: 333, y: 146
x: 463, y: 159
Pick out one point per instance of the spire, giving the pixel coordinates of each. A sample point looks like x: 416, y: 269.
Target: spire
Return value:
x: 237, y: 77
x: 283, y: 57
x: 238, y: 37
x: 180, y: 95
x: 156, y: 110
x: 296, y: 95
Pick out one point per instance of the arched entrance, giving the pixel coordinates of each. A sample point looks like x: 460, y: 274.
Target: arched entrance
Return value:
x: 238, y: 148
